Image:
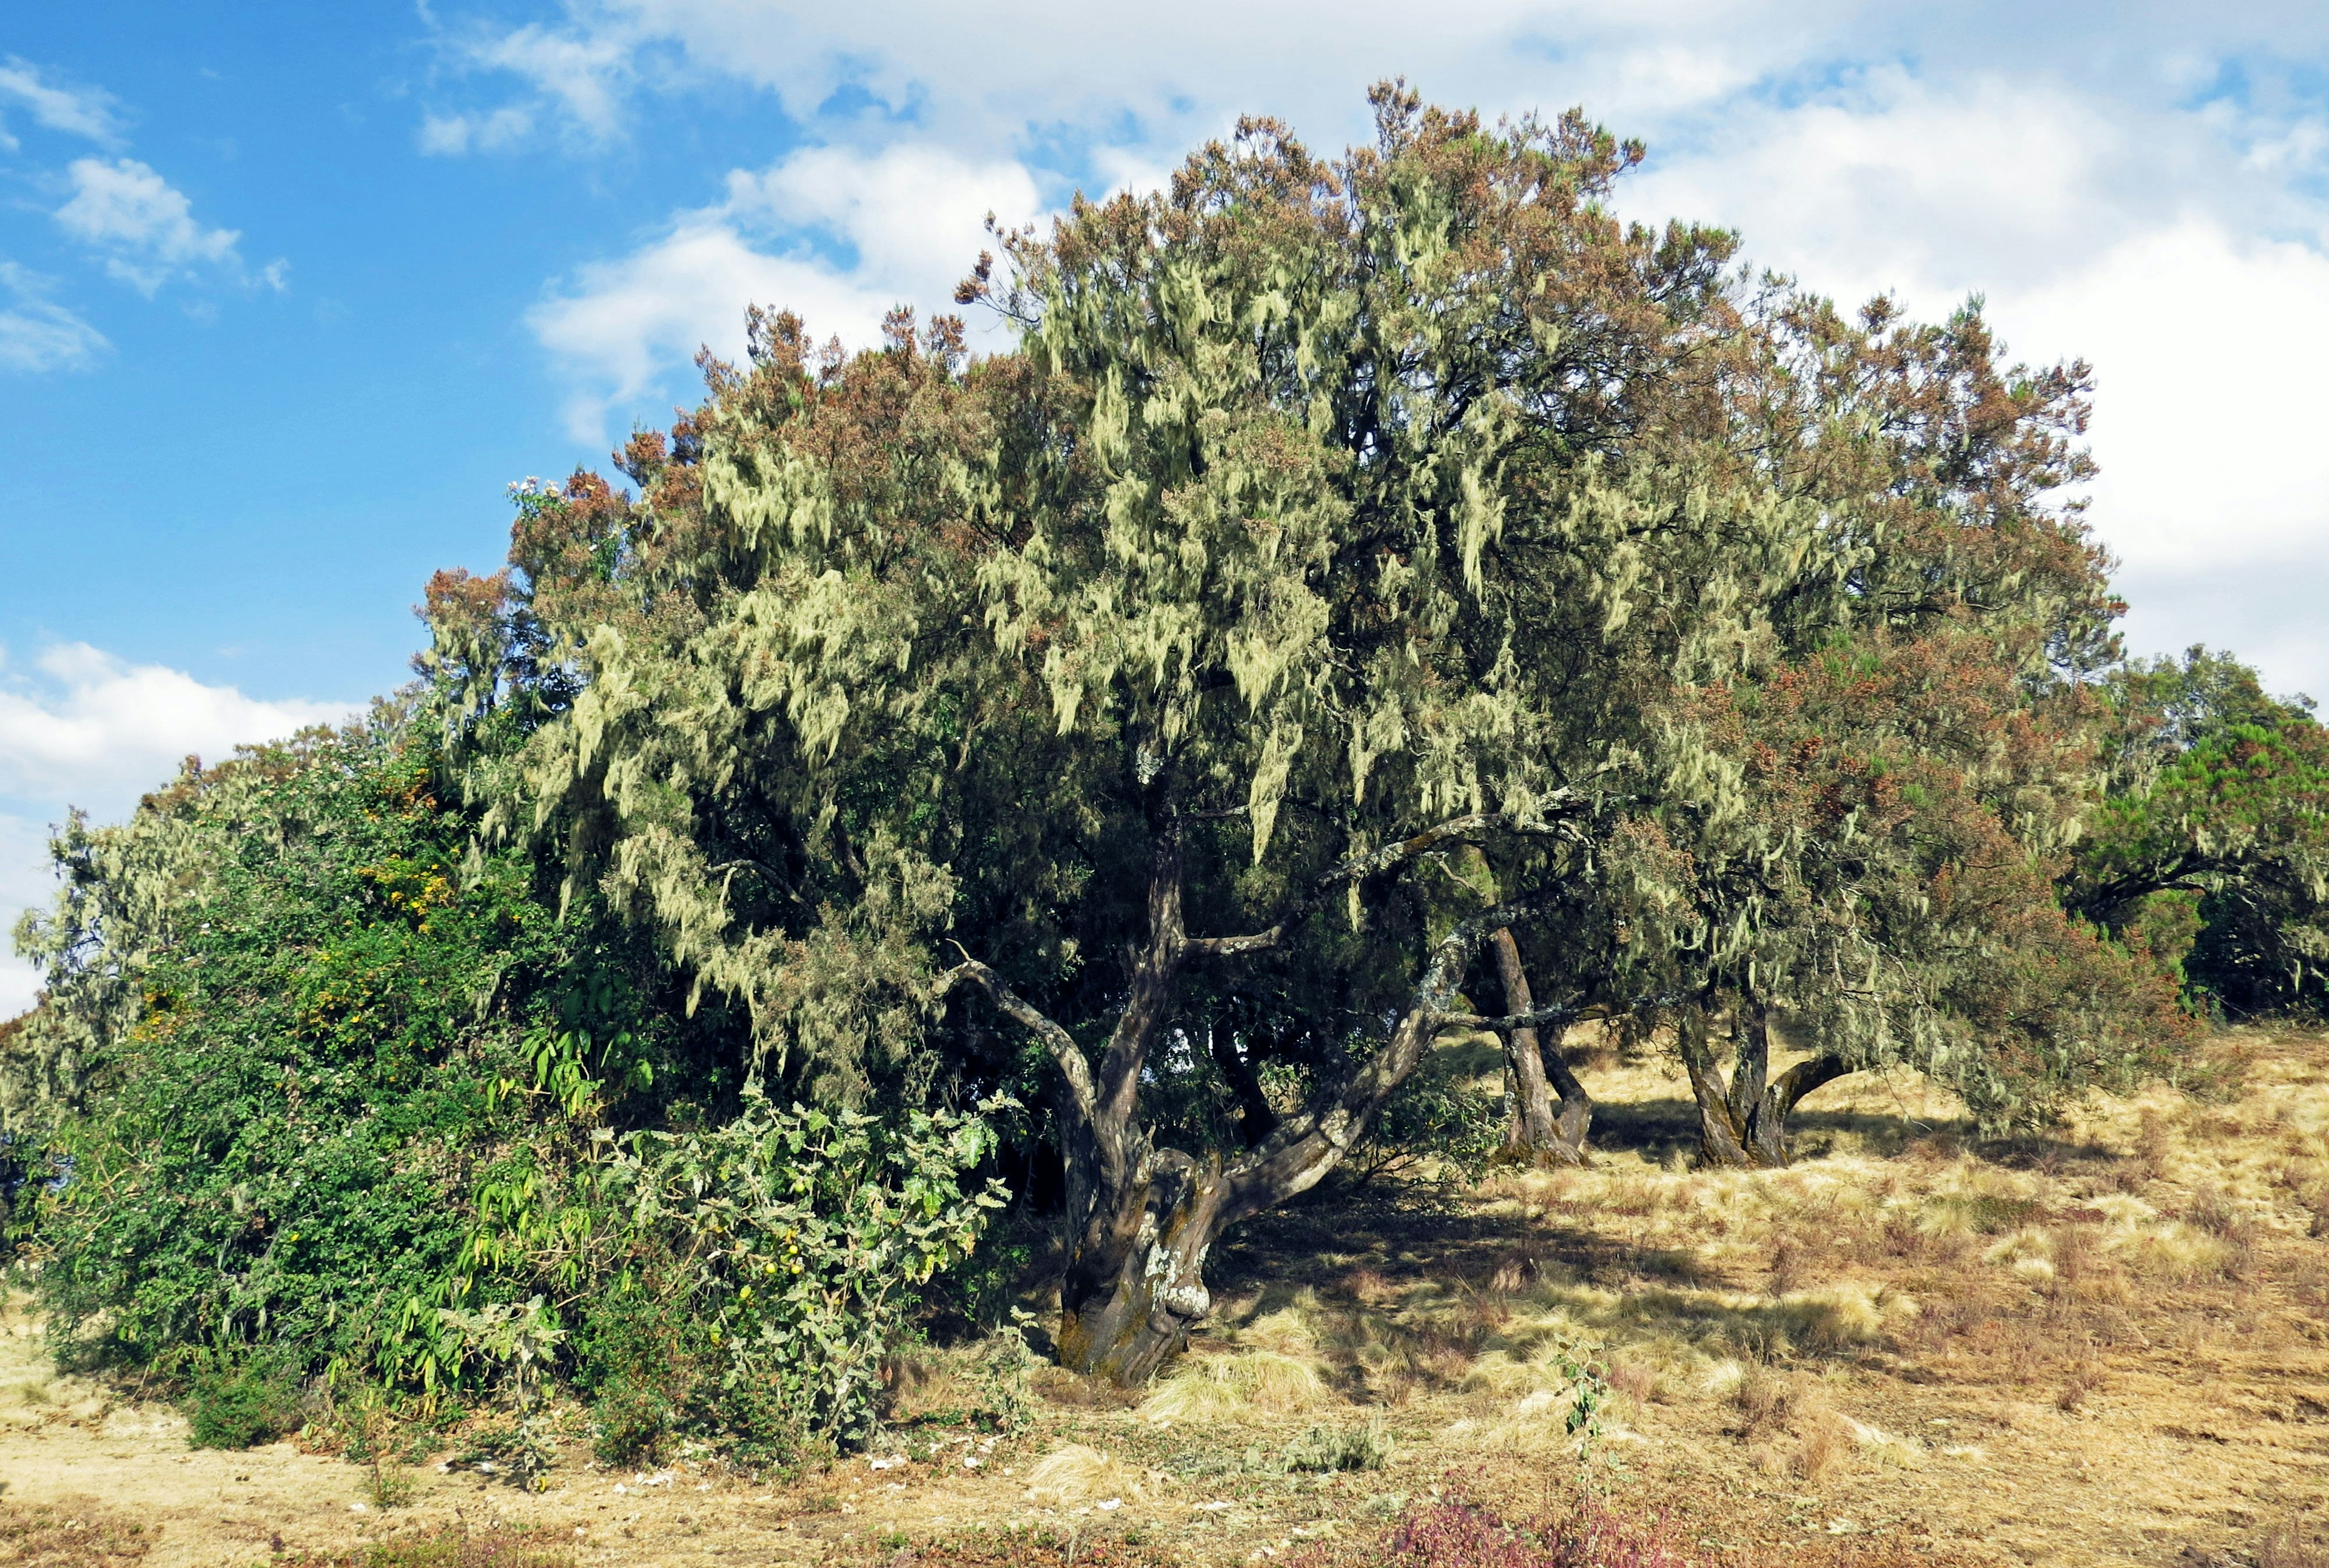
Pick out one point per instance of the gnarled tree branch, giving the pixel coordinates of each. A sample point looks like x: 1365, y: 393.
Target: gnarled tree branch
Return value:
x: 1307, y: 1146
x: 1083, y: 1098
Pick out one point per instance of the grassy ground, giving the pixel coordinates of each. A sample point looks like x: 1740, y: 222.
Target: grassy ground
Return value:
x: 2109, y: 1345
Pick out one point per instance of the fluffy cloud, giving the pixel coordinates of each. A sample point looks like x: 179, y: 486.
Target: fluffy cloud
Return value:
x: 2215, y: 481
x: 1886, y: 180
x: 87, y: 729
x: 838, y: 237
x: 83, y: 112
x: 147, y: 223
x: 1151, y: 73
x: 36, y: 334
x: 2209, y: 421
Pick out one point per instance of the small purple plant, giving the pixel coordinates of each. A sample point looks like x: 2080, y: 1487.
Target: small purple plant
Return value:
x: 1455, y: 1531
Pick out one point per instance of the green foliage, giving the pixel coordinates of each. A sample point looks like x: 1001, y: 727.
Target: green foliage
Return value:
x: 518, y: 1340
x: 1437, y: 1116
x: 1872, y: 836
x: 357, y: 1123
x: 239, y: 1403
x: 1324, y: 1450
x: 793, y: 1242
x: 306, y: 1058
x: 2212, y: 848
x: 1000, y: 1378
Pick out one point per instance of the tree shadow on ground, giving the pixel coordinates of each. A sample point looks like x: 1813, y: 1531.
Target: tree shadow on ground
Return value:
x: 1408, y: 1233
x: 1664, y: 1132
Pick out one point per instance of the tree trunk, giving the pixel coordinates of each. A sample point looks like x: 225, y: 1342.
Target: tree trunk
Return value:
x: 1127, y: 1303
x: 1257, y: 1117
x: 1141, y: 1220
x: 1539, y: 1134
x: 1743, y: 1124
x: 1135, y: 1283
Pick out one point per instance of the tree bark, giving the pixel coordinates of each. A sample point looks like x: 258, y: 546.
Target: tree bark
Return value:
x: 1744, y: 1123
x: 1132, y: 1293
x: 1540, y: 1135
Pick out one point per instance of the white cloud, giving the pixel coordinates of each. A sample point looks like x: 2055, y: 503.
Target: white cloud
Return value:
x: 100, y: 732
x: 913, y: 216
x: 453, y: 135
x: 36, y: 334
x: 583, y: 73
x: 578, y: 78
x: 2212, y: 423
x: 83, y: 112
x: 1893, y: 183
x: 87, y: 729
x: 1153, y: 77
x: 2093, y: 235
x: 125, y: 207
x: 25, y: 882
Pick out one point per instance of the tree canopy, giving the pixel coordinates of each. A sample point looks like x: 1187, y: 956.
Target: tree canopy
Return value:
x: 1362, y: 567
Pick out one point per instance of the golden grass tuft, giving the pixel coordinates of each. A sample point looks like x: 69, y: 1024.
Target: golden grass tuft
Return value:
x: 2174, y: 1252
x: 1076, y: 1473
x: 1885, y: 1448
x: 1237, y: 1386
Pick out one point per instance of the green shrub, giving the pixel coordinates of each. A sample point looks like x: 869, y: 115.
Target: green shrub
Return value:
x: 318, y: 1030
x: 241, y: 1405
x: 632, y: 1417
x: 352, y: 1101
x: 793, y: 1244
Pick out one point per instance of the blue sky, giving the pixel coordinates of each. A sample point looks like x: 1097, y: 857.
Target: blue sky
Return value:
x: 288, y: 294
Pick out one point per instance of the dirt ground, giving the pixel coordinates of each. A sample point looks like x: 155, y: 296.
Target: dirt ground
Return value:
x: 2106, y: 1346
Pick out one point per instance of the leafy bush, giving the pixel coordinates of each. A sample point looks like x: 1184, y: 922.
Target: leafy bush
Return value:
x: 311, y: 1025
x: 240, y: 1406
x: 1435, y: 1115
x: 791, y: 1244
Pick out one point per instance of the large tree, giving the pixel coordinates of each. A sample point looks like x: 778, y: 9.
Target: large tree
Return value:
x: 1325, y: 612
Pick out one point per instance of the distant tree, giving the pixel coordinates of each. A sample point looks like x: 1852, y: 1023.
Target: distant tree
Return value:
x: 2213, y: 845
x: 1367, y: 583
x: 1876, y: 859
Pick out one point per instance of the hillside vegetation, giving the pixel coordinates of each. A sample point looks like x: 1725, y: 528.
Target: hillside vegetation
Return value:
x: 1428, y: 827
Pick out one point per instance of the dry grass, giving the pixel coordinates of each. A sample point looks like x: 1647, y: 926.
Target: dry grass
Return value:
x: 1074, y: 1473
x: 2295, y: 1544
x: 82, y: 1533
x: 1235, y: 1388
x: 2107, y: 1346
